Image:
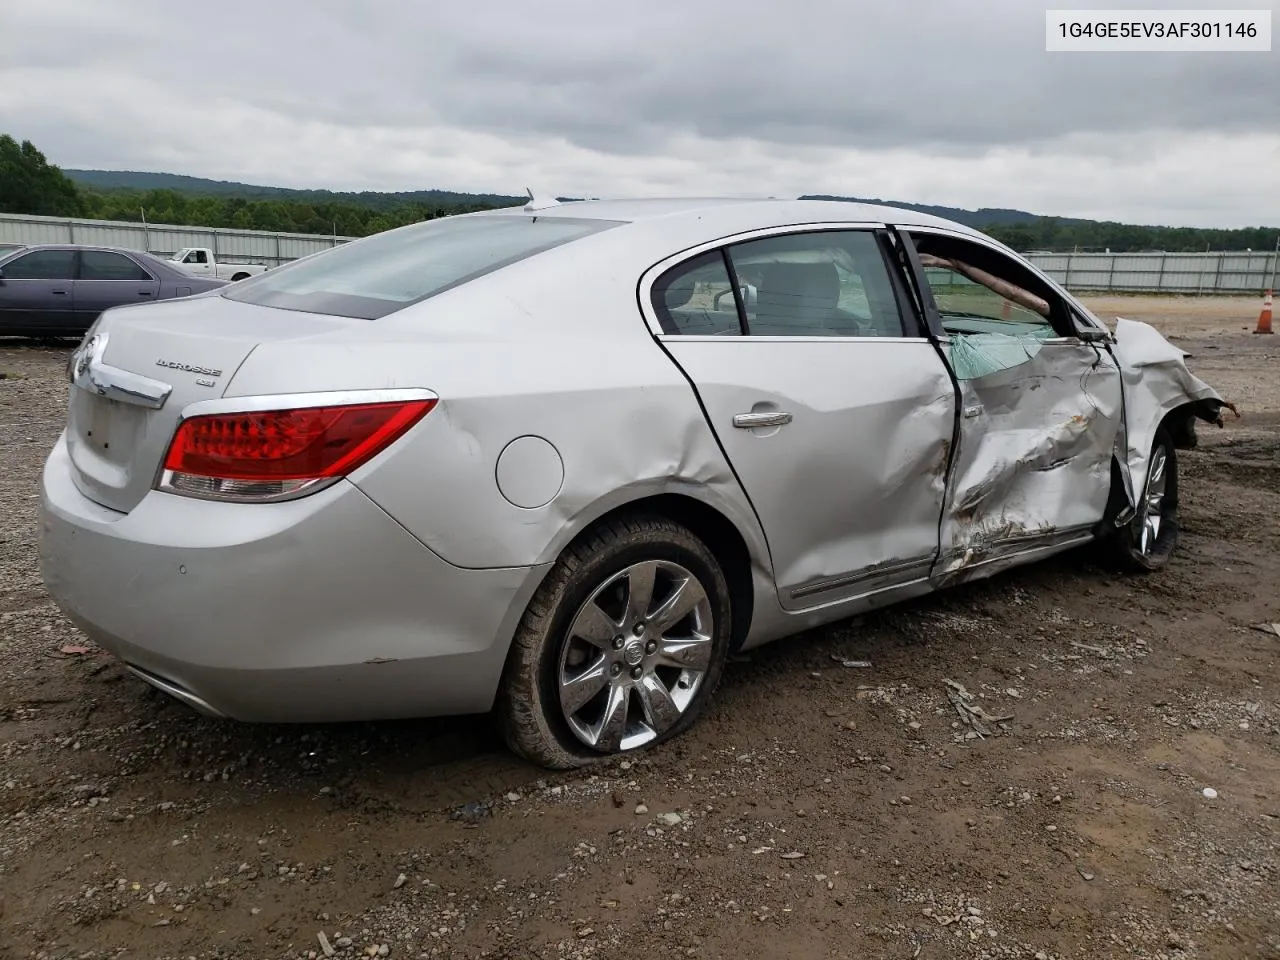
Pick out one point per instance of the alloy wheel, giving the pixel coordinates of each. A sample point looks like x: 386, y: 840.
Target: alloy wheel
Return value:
x: 1151, y: 514
x: 634, y: 656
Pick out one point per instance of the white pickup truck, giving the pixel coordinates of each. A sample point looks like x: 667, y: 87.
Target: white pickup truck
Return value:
x: 200, y: 262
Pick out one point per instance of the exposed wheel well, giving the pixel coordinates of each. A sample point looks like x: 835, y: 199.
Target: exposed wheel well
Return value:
x: 1180, y: 424
x: 1181, y: 420
x: 721, y: 537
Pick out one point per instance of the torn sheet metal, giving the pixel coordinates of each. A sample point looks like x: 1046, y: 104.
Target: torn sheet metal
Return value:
x: 1156, y: 382
x: 1034, y: 459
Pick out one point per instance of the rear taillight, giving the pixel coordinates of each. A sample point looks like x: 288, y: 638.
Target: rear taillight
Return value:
x: 282, y: 453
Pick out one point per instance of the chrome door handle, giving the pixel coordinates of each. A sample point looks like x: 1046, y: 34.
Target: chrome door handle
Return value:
x: 88, y: 372
x: 748, y: 421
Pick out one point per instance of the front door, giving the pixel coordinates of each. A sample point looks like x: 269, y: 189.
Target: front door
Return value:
x: 196, y: 262
x: 1039, y: 409
x: 833, y: 409
x: 36, y: 294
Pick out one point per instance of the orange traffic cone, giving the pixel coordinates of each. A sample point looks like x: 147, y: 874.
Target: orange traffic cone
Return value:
x: 1264, y: 318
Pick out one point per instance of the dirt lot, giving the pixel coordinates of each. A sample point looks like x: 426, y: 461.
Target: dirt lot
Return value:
x: 817, y: 811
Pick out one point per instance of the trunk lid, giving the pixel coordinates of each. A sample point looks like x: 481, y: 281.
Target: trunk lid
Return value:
x: 144, y: 366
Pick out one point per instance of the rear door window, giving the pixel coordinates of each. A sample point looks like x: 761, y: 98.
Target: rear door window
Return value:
x: 105, y: 265
x: 833, y: 283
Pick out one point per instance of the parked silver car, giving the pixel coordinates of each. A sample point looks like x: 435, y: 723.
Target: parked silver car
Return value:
x: 58, y: 290
x: 562, y: 460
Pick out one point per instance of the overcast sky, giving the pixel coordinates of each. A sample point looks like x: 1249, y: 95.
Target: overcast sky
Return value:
x: 930, y: 101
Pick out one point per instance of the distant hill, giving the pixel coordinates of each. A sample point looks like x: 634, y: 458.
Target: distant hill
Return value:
x: 173, y: 198
x: 142, y: 181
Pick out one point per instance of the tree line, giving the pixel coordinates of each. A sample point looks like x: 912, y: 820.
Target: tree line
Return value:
x: 29, y: 184
x: 342, y: 219
x: 1063, y: 236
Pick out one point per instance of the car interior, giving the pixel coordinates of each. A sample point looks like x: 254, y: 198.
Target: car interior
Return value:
x: 979, y: 291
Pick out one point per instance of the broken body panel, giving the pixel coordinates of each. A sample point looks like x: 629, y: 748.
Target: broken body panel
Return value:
x: 1033, y: 462
x: 1156, y: 384
x: 1016, y: 464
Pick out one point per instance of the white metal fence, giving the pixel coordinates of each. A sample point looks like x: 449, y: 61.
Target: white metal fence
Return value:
x: 250, y: 246
x: 1187, y: 273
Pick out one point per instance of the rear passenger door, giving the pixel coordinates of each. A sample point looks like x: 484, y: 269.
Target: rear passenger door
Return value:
x: 109, y: 279
x: 834, y: 409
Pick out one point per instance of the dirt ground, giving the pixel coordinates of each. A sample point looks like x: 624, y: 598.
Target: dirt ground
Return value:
x: 817, y: 810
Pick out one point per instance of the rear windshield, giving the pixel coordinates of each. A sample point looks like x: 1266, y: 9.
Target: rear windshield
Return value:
x: 387, y: 272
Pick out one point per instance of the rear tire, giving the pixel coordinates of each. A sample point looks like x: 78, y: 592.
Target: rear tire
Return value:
x: 1148, y: 540
x: 240, y: 276
x: 621, y: 647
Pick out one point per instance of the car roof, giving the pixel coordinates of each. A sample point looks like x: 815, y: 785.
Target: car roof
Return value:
x: 711, y: 212
x: 81, y: 246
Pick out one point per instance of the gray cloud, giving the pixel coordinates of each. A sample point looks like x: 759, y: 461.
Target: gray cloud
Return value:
x: 675, y: 97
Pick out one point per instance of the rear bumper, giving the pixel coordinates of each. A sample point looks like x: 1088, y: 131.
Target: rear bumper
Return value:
x: 318, y: 609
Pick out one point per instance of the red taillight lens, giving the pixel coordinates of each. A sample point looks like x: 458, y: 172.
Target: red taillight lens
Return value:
x: 255, y: 454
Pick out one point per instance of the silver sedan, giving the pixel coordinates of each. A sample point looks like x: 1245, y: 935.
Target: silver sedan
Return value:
x: 559, y: 462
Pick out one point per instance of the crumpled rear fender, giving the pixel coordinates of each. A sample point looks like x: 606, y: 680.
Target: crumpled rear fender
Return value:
x: 1157, y: 384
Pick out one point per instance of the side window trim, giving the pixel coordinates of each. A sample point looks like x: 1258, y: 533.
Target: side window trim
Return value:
x: 919, y: 284
x: 913, y: 325
x: 744, y: 328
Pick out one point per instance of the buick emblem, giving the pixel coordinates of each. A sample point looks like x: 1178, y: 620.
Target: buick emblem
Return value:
x: 633, y: 653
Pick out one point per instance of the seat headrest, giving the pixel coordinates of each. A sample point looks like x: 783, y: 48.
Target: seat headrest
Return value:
x: 793, y: 294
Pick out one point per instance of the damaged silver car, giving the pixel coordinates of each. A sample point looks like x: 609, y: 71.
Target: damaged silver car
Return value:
x: 560, y: 461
